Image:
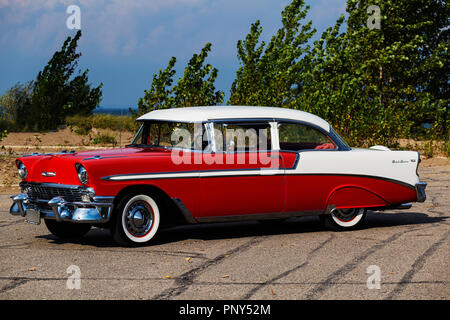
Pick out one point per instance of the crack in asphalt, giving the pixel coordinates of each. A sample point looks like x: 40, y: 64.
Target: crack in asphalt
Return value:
x: 28, y: 246
x: 11, y: 223
x: 22, y: 280
x: 18, y: 281
x: 251, y: 292
x: 13, y: 284
x: 207, y: 283
x: 417, y: 266
x: 183, y: 282
x: 324, y: 285
x: 398, y: 286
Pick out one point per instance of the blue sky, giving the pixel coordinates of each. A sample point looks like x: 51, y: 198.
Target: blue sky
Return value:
x: 125, y: 42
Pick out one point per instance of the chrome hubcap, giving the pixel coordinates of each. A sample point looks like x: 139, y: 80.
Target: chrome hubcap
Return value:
x: 345, y: 214
x: 139, y: 218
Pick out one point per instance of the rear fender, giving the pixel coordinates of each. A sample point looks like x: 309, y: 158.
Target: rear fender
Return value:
x: 355, y: 197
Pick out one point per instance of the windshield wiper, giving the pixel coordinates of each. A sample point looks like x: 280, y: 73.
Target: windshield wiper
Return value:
x: 156, y: 146
x: 141, y: 145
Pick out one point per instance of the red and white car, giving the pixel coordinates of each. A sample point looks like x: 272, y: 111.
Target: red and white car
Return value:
x: 211, y: 164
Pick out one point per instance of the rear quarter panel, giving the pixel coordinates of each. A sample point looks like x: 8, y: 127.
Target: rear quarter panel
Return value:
x: 356, y: 178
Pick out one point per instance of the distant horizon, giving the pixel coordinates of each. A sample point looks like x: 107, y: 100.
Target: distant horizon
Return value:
x: 113, y: 110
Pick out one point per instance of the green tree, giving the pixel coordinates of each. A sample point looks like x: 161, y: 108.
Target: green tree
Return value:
x: 269, y: 75
x: 57, y: 93
x: 13, y: 99
x: 195, y: 88
x: 376, y: 85
x: 159, y: 95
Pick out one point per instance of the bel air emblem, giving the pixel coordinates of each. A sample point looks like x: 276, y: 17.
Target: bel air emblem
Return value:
x: 48, y: 174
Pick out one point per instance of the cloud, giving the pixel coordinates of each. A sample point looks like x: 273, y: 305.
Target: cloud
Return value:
x: 114, y: 26
x: 125, y: 41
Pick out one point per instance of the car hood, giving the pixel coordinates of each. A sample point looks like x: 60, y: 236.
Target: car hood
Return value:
x: 60, y: 167
x: 119, y: 152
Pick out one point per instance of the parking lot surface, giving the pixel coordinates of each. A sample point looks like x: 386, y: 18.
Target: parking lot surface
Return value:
x: 397, y: 255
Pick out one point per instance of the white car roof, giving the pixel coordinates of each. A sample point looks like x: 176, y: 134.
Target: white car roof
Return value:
x: 202, y: 114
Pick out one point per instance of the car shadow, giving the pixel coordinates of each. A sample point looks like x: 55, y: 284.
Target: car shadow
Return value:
x: 230, y: 230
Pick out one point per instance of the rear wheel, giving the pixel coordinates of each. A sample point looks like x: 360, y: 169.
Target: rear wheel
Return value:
x: 67, y: 230
x: 344, y: 219
x: 136, y: 220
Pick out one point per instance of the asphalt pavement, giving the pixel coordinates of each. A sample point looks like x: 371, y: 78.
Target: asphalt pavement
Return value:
x: 397, y: 255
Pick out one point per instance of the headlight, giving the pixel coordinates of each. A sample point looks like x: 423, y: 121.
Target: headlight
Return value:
x: 23, y: 173
x: 82, y: 173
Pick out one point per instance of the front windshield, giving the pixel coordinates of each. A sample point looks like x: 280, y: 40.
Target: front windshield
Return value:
x: 168, y: 135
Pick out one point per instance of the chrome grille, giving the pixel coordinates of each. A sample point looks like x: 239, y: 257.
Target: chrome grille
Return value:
x: 46, y: 191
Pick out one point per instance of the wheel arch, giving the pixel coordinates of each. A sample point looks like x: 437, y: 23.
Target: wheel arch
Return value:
x: 170, y: 212
x: 353, y: 196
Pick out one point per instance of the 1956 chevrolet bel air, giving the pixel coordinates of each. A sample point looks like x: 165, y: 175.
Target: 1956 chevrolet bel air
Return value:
x: 211, y: 164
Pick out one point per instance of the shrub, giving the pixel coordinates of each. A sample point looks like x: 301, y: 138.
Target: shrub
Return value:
x: 3, y: 134
x: 84, y: 124
x: 104, y: 139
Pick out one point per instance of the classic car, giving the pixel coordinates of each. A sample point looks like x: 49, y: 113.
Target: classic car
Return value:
x: 215, y: 164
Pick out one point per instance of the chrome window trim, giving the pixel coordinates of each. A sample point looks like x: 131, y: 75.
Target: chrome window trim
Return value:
x: 223, y: 122
x: 141, y: 128
x: 330, y: 135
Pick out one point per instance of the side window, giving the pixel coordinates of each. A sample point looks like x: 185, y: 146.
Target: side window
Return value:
x: 294, y: 136
x: 183, y: 135
x: 170, y: 134
x: 230, y: 137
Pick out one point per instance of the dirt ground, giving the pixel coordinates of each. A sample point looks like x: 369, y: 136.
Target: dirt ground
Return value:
x: 61, y: 138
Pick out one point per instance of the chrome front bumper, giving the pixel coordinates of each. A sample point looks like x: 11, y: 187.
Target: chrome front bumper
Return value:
x: 420, y: 190
x: 98, y: 210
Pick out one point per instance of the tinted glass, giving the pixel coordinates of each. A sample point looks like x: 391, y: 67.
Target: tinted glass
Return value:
x: 297, y: 137
x: 169, y: 135
x: 231, y: 136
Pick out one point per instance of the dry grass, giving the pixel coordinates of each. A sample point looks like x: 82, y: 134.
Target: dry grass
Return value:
x: 427, y: 148
x: 66, y: 137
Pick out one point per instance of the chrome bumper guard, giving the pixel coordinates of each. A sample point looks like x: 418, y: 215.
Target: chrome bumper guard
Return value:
x: 98, y: 210
x: 420, y: 190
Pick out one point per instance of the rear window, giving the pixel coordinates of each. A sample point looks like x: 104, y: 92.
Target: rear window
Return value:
x: 295, y: 137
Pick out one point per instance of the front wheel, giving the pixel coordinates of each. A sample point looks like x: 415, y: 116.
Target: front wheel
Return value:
x: 67, y: 230
x: 344, y: 219
x: 136, y: 220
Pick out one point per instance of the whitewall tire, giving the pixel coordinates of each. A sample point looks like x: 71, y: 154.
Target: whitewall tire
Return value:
x: 136, y: 220
x: 344, y: 219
